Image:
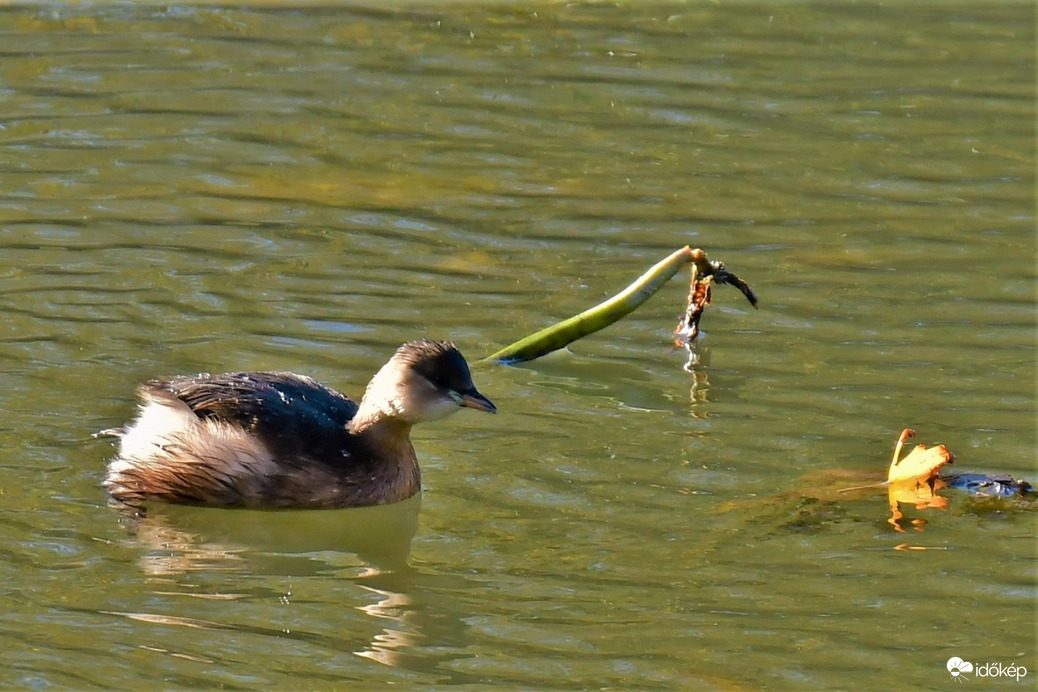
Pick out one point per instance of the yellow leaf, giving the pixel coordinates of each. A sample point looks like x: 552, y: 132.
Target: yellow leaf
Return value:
x: 921, y: 464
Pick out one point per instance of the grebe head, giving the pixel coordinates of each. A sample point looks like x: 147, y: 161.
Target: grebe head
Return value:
x: 423, y: 381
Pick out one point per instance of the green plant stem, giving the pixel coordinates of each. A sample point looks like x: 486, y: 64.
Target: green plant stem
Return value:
x: 604, y: 314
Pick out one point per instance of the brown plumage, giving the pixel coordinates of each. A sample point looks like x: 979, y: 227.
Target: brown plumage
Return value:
x: 274, y: 439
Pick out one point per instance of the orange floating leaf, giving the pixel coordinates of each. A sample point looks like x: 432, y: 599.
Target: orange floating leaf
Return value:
x: 921, y: 464
x: 915, y: 479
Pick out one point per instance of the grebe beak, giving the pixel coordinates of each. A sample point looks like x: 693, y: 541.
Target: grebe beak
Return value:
x: 473, y: 399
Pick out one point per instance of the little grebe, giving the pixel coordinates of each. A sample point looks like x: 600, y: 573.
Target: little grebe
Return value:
x: 274, y: 439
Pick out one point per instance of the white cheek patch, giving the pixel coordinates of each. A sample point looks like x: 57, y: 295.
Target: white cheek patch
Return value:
x: 441, y: 408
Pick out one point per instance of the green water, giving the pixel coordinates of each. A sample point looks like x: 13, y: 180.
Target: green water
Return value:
x: 191, y: 188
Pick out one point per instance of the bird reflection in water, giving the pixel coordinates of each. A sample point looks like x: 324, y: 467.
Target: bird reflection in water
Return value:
x: 375, y: 542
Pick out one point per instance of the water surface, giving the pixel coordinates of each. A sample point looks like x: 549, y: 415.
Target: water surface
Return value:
x: 191, y: 187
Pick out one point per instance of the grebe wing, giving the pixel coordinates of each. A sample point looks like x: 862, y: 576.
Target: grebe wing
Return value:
x: 291, y: 413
